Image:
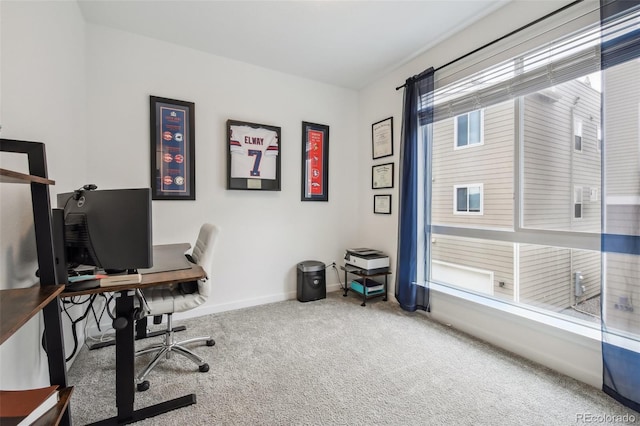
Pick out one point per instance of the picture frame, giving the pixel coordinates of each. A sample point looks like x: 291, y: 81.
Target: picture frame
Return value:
x: 253, y: 156
x: 382, y: 204
x: 382, y: 138
x: 382, y: 176
x: 172, y: 149
x: 315, y: 162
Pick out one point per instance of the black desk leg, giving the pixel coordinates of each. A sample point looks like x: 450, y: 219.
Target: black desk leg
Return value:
x: 125, y: 371
x: 125, y: 355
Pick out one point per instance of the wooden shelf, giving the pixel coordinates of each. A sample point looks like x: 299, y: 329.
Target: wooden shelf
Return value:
x: 10, y: 176
x: 53, y: 416
x: 19, y: 305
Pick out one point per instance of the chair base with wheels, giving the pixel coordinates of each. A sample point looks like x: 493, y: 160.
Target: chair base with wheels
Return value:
x: 166, y: 348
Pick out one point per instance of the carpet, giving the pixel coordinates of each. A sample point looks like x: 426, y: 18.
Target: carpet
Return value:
x: 333, y: 362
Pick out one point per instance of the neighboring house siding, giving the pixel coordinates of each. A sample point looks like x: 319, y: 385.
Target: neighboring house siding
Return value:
x: 544, y: 275
x: 623, y: 219
x: 480, y: 254
x: 622, y: 132
x: 621, y: 306
x: 547, y: 276
x: 490, y: 164
x: 552, y: 167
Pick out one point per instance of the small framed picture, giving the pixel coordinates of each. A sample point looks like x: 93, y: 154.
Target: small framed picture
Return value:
x: 253, y: 156
x: 382, y: 176
x: 315, y: 162
x: 382, y: 204
x: 173, y: 163
x: 382, y: 138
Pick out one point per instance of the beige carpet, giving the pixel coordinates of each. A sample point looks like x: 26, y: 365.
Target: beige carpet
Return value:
x: 333, y: 362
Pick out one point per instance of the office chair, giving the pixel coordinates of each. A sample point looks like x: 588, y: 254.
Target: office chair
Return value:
x: 157, y: 301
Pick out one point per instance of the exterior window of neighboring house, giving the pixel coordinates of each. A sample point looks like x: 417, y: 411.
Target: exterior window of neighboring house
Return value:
x: 468, y: 199
x: 577, y: 134
x: 577, y: 202
x: 598, y: 138
x: 469, y: 129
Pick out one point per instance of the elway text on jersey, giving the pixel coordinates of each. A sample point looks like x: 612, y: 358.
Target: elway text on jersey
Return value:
x: 253, y: 140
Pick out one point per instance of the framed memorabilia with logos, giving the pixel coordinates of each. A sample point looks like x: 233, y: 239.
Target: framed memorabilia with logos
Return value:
x: 315, y: 162
x: 173, y: 166
x: 253, y: 156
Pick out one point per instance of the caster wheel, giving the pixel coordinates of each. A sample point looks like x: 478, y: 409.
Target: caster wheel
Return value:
x: 204, y: 368
x: 211, y: 342
x: 143, y: 386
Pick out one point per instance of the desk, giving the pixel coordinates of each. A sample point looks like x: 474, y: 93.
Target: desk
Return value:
x: 166, y: 258
x: 125, y: 350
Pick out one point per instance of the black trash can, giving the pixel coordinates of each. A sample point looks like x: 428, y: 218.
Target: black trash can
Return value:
x: 312, y: 284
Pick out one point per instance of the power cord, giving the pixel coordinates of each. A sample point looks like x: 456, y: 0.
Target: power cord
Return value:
x: 335, y: 268
x: 74, y: 322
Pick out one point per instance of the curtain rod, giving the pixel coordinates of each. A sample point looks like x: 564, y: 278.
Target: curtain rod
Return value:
x: 524, y: 27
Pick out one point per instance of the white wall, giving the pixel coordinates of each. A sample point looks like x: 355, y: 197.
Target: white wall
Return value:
x: 84, y: 91
x: 42, y: 99
x: 563, y: 351
x: 102, y: 137
x: 263, y: 234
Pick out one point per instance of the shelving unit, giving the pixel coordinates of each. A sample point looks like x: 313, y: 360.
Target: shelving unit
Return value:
x: 365, y: 275
x: 17, y: 306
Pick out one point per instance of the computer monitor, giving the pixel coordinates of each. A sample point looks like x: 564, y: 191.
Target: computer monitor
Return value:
x: 109, y: 229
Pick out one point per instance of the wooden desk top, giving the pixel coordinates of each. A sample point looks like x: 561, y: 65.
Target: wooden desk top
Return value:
x: 166, y: 255
x: 148, y: 280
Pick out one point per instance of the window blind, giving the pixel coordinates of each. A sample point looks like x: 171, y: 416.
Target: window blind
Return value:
x: 569, y: 57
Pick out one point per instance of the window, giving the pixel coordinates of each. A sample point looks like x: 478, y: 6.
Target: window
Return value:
x: 469, y: 129
x: 533, y: 231
x: 577, y: 202
x: 598, y: 138
x: 577, y: 134
x: 468, y: 199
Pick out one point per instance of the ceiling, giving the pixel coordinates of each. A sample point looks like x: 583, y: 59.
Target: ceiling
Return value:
x: 343, y: 43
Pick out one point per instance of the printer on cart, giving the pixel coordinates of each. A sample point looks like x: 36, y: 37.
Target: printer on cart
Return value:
x: 367, y: 259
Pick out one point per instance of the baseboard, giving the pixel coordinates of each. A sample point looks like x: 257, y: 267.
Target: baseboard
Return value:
x: 208, y: 309
x: 213, y: 308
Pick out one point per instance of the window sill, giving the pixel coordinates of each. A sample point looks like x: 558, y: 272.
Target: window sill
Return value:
x: 575, y: 326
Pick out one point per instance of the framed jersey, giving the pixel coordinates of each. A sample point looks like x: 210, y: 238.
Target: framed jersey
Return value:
x: 253, y: 160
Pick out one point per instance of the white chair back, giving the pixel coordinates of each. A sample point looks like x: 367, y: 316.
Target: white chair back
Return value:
x: 202, y: 254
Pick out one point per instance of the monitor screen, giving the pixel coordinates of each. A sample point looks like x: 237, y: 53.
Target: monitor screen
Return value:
x: 109, y: 229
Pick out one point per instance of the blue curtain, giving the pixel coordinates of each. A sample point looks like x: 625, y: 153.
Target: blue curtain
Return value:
x: 411, y: 290
x: 621, y: 203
